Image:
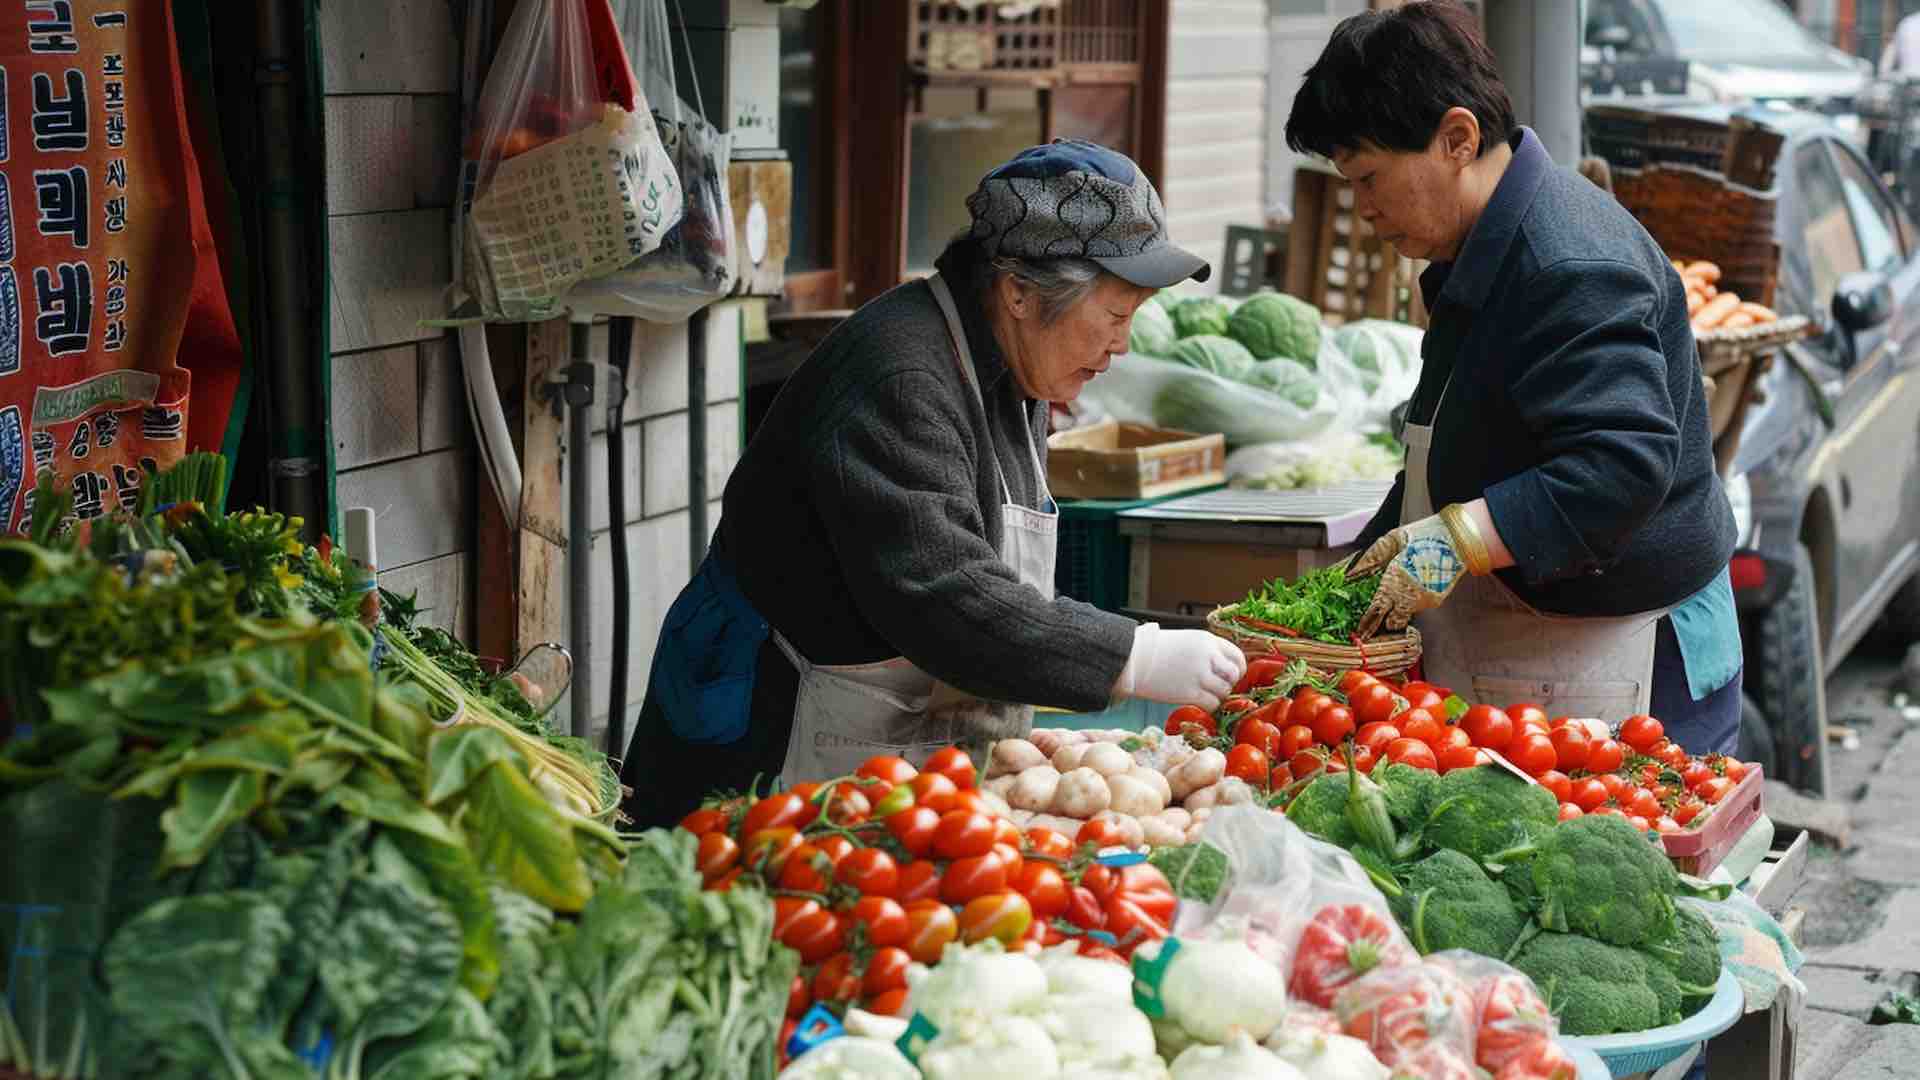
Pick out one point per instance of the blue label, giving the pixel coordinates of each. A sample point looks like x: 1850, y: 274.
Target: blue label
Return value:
x: 13, y: 464
x: 816, y: 1027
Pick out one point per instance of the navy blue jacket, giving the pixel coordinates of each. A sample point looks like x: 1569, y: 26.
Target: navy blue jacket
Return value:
x: 1576, y: 407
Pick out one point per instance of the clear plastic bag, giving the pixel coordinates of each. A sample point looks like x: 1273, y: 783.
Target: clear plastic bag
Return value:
x: 1303, y: 904
x: 695, y: 262
x: 1514, y: 1030
x: 1418, y: 1018
x: 1340, y: 456
x: 1146, y: 390
x: 570, y: 178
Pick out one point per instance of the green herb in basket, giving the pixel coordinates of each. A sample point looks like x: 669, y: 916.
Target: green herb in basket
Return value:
x: 1323, y: 605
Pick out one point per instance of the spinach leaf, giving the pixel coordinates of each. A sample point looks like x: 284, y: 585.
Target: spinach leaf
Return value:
x: 459, y: 1043
x: 205, y: 804
x: 457, y: 755
x: 451, y: 874
x: 517, y: 834
x: 370, y: 792
x: 389, y: 964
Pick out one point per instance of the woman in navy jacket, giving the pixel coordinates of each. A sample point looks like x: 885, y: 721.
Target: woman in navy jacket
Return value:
x: 1560, y: 533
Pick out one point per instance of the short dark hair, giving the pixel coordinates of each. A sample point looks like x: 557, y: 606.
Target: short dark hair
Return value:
x: 1387, y: 77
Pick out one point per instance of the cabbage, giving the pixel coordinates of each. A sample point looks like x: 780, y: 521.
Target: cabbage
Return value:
x: 1288, y: 378
x: 1380, y: 349
x: 1223, y: 356
x: 1201, y: 315
x: 1275, y: 324
x: 1152, y: 333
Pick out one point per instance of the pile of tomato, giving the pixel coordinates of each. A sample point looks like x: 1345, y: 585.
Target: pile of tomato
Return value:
x: 1277, y: 737
x: 886, y: 867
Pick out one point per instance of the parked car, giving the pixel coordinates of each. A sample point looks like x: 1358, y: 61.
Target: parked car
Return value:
x: 1736, y: 51
x: 1825, y: 481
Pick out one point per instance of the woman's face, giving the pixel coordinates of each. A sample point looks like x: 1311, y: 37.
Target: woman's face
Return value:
x: 1054, y: 362
x: 1423, y: 203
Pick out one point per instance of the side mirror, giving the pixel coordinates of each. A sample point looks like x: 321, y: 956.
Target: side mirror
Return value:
x: 1863, y: 301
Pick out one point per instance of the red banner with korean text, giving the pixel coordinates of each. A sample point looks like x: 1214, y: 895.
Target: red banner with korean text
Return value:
x: 117, y: 346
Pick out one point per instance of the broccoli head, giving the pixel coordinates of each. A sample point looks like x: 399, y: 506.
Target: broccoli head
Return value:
x: 1448, y: 902
x: 1484, y: 810
x: 1598, y: 876
x: 1597, y: 989
x: 1321, y: 809
x: 1409, y: 792
x: 1692, y: 955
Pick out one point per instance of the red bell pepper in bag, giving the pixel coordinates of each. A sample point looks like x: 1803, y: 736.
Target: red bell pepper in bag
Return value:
x: 1341, y: 943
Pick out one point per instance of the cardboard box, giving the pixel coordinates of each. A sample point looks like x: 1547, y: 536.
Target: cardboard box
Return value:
x: 1110, y: 460
x: 1187, y: 576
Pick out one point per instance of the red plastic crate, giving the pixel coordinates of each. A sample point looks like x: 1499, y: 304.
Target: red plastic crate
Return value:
x: 1697, y: 850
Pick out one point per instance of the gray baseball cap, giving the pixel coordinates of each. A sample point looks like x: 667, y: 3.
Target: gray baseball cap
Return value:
x: 1076, y: 198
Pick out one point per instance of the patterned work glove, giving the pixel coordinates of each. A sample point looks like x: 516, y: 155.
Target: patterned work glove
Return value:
x: 1419, y: 565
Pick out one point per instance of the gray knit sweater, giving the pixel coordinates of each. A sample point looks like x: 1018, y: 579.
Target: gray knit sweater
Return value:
x: 864, y: 518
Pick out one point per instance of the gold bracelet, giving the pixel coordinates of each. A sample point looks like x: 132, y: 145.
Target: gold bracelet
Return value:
x: 1466, y: 537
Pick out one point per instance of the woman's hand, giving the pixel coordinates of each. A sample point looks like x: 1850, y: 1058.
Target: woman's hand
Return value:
x: 1421, y: 562
x: 1180, y: 667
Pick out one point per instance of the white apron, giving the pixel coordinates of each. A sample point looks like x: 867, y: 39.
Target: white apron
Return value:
x: 844, y: 715
x: 1490, y: 647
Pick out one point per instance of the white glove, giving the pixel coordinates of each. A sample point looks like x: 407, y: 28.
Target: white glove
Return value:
x: 1180, y: 667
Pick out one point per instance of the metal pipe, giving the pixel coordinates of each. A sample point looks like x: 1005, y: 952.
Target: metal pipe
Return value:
x: 296, y: 466
x: 579, y: 396
x: 697, y: 438
x: 619, y: 345
x: 1537, y: 44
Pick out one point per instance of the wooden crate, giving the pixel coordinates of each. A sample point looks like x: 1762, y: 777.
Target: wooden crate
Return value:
x: 1337, y: 263
x: 1111, y: 460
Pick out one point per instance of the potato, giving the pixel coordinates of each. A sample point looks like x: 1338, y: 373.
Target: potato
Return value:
x: 996, y: 805
x: 1107, y: 759
x: 999, y: 785
x: 1129, y: 825
x: 1013, y: 756
x: 1082, y: 793
x: 1201, y: 770
x: 1158, y: 832
x: 1065, y: 826
x: 1154, y: 779
x: 1131, y: 796
x: 1234, y: 792
x: 1021, y: 818
x: 1205, y: 799
x: 1048, y: 740
x: 1202, y: 814
x: 1068, y: 757
x: 1194, y: 833
x: 1034, y: 789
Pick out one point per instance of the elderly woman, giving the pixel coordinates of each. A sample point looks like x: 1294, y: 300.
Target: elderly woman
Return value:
x: 1560, y: 495
x: 882, y: 579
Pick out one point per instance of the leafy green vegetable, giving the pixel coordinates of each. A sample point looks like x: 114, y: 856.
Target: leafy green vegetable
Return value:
x: 1594, y: 988
x: 1201, y: 315
x: 1449, y: 902
x: 1322, y: 604
x: 1597, y: 875
x: 1196, y: 871
x: 516, y: 834
x: 389, y: 965
x: 1409, y: 792
x: 1286, y: 378
x: 1692, y: 955
x: 1152, y: 332
x: 1275, y: 324
x: 1896, y: 1008
x: 1321, y: 809
x: 1221, y: 356
x: 1484, y: 810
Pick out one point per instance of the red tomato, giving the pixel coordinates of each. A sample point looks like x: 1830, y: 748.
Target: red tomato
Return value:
x: 834, y: 848
x: 788, y: 908
x: 884, y: 918
x: 1687, y: 809
x: 1715, y: 790
x: 704, y: 820
x: 846, y: 806
x: 887, y: 1003
x: 1102, y: 832
x: 1527, y: 713
x: 1260, y: 673
x: 1695, y: 774
x: 1249, y: 763
x: 1571, y: 748
x: 973, y: 801
x: 914, y: 828
x: 716, y: 855
x: 836, y: 979
x: 869, y: 870
x: 1045, y: 888
x: 1046, y: 843
x: 1353, y: 679
x: 919, y: 880
x: 1665, y: 824
x: 1641, y: 802
x: 952, y: 763
x: 1457, y: 757
x: 1411, y: 752
x: 769, y: 849
x: 1236, y: 705
x: 1616, y: 785
x: 772, y: 812
x: 1557, y: 782
x: 1641, y: 732
x: 1376, y: 736
x: 892, y: 802
x: 1639, y: 822
x: 1372, y: 703
x: 1011, y: 858
x: 808, y: 870
x: 930, y: 926
x: 1418, y: 723
x: 1277, y: 712
x: 1307, y: 762
x: 1332, y: 724
x: 815, y: 935
x: 1363, y: 760
x: 1451, y: 737
x: 1428, y: 700
x: 1006, y: 832
x: 1672, y: 756
x: 1488, y: 727
x: 888, y: 767
x: 1295, y: 738
x: 1084, y: 910
x: 1736, y: 771
x: 1606, y: 755
x: 963, y: 833
x: 1569, y: 811
x: 1307, y: 703
x: 1135, y: 898
x: 1258, y: 734
x: 1418, y: 691
x: 723, y: 882
x: 1002, y: 916
x: 1192, y: 716
x: 887, y: 967
x: 799, y: 996
x: 806, y: 792
x: 1531, y: 753
x: 975, y: 875
x: 934, y: 791
x: 1589, y: 793
x: 1607, y: 811
x: 1341, y: 943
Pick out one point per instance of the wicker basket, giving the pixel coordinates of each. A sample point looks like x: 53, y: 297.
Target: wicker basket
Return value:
x: 1721, y: 349
x: 1694, y: 214
x: 1387, y: 654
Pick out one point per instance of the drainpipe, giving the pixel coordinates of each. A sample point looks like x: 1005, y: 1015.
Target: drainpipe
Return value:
x: 297, y: 467
x: 697, y: 437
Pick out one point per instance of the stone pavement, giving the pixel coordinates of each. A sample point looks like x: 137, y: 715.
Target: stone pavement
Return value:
x: 1862, y: 927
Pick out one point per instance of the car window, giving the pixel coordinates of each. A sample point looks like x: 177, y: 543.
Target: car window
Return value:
x: 1833, y: 251
x: 1873, y: 215
x: 1760, y: 32
x: 1627, y: 25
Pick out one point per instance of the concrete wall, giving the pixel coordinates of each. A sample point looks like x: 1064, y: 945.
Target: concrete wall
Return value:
x: 1216, y: 122
x: 1297, y: 31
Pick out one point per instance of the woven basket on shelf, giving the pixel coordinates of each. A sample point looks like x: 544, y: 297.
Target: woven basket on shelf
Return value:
x: 1720, y: 349
x: 1387, y: 654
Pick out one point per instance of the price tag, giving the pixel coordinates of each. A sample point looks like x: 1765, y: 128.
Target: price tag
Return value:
x: 1147, y: 974
x: 1500, y: 759
x: 920, y: 1031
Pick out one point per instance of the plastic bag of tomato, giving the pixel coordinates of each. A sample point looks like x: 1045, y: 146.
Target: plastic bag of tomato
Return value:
x: 886, y: 867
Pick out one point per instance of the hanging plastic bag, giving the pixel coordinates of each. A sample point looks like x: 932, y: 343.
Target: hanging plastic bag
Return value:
x: 694, y: 264
x: 571, y: 180
x: 1145, y: 390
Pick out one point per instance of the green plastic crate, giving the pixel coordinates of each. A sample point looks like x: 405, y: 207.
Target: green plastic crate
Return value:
x: 1092, y: 564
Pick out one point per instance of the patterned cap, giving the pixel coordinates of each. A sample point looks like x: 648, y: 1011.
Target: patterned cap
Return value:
x: 1076, y: 198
